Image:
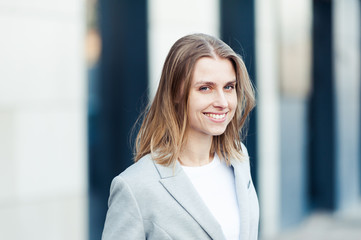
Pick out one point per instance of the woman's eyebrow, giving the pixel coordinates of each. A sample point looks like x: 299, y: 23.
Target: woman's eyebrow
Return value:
x: 212, y: 83
x: 204, y: 83
x: 230, y: 82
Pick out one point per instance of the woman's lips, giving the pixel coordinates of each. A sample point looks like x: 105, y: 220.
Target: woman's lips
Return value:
x: 218, y: 117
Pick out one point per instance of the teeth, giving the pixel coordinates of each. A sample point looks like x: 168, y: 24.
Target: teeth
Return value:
x: 216, y: 116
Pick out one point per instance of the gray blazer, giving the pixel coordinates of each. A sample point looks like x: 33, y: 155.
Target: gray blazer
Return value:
x: 151, y: 201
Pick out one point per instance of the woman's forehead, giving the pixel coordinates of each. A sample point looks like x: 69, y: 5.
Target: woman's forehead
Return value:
x: 213, y: 70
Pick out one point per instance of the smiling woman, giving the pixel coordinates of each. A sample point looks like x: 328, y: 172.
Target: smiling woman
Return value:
x: 212, y: 101
x: 191, y: 177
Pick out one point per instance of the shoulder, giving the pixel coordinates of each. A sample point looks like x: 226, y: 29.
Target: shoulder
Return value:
x: 244, y: 162
x: 138, y: 184
x: 145, y: 164
x: 244, y: 151
x: 245, y: 157
x: 141, y: 173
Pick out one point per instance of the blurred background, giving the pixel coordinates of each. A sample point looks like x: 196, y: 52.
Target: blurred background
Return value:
x: 74, y: 76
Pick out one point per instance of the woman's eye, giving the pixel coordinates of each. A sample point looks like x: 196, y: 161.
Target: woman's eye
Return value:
x: 204, y: 88
x: 229, y: 87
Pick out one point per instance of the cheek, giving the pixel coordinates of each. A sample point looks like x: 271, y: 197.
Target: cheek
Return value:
x: 199, y: 103
x: 233, y: 101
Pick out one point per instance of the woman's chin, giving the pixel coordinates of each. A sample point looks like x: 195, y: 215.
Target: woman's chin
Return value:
x: 218, y: 132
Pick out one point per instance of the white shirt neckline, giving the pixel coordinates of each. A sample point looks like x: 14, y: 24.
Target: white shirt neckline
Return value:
x: 215, y: 184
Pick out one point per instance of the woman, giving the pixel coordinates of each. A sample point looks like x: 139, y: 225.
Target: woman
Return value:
x: 191, y: 176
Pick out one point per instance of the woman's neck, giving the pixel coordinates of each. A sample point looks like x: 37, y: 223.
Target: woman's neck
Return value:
x: 196, y: 151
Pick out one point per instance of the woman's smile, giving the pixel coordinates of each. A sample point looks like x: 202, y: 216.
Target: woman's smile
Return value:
x: 216, y: 117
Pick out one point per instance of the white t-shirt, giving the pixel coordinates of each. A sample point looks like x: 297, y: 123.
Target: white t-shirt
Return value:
x: 215, y: 184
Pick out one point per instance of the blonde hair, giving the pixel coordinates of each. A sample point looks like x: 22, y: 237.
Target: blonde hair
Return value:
x: 162, y: 132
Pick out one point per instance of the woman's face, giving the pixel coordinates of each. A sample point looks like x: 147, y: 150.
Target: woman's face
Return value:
x: 212, y: 97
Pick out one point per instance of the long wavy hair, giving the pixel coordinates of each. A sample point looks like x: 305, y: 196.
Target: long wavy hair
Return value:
x: 163, y: 130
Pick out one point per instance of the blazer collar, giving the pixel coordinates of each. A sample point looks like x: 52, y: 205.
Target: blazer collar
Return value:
x: 176, y: 182
x: 243, y: 182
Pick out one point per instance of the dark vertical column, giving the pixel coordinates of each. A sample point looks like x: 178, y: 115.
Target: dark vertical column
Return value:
x: 238, y: 31
x: 322, y: 135
x: 120, y: 86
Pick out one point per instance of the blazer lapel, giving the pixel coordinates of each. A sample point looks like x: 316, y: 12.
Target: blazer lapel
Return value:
x: 242, y: 180
x: 176, y: 182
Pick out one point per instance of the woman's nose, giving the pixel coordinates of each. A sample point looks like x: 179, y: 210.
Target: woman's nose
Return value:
x: 220, y: 100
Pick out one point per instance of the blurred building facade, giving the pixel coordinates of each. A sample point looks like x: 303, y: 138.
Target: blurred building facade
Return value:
x: 43, y: 177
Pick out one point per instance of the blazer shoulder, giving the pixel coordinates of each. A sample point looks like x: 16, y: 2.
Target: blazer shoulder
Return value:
x: 244, y: 150
x: 142, y: 163
x: 244, y: 162
x: 140, y: 172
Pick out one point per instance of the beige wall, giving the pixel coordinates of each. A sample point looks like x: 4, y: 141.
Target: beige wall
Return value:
x: 42, y: 120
